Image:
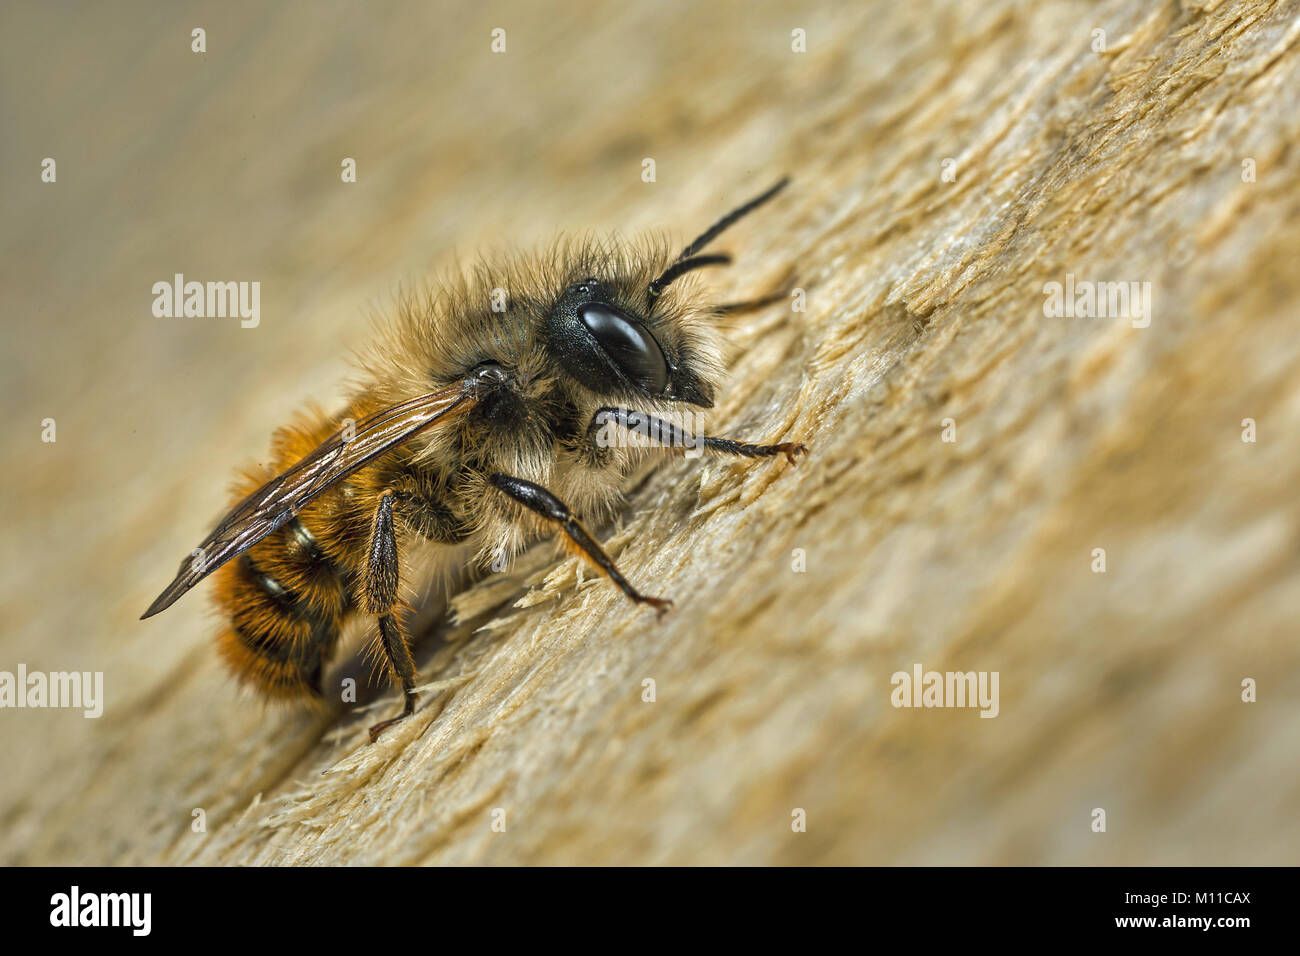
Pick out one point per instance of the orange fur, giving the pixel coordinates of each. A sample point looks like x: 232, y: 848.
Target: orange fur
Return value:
x: 279, y: 652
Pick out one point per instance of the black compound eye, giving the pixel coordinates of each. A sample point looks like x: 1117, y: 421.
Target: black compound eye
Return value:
x: 626, y: 341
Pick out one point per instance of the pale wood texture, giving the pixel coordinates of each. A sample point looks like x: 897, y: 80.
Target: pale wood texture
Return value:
x: 924, y: 302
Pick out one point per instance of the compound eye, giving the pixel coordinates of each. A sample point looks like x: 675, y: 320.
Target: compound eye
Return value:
x: 626, y: 341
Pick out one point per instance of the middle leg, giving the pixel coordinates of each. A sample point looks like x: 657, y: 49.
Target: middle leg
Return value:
x: 552, y: 509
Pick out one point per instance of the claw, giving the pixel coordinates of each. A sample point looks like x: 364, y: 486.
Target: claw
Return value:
x: 383, y: 725
x: 661, y: 605
x: 792, y: 450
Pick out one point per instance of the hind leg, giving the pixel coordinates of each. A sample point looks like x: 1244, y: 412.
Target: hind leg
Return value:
x: 379, y: 597
x: 399, y: 656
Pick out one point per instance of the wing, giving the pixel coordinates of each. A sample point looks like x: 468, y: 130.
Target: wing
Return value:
x: 281, y: 498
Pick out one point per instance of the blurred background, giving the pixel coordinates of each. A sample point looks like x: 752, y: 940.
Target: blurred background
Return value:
x: 1119, y: 690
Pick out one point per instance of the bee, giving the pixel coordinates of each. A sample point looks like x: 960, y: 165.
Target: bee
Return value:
x: 477, y: 427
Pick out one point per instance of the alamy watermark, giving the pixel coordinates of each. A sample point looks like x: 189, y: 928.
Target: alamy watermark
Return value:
x: 1085, y: 299
x: 923, y: 688
x: 75, y: 908
x: 208, y: 300
x: 57, y: 689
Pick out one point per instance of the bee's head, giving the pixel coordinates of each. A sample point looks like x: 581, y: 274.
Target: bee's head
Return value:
x: 612, y: 351
x: 611, y: 336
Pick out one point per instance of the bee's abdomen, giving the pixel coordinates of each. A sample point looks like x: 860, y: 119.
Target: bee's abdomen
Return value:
x: 286, y: 599
x: 285, y: 605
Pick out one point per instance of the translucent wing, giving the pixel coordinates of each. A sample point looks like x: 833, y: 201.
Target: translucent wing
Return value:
x: 281, y: 498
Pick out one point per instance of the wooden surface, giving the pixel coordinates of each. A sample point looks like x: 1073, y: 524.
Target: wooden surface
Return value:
x: 1118, y: 690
